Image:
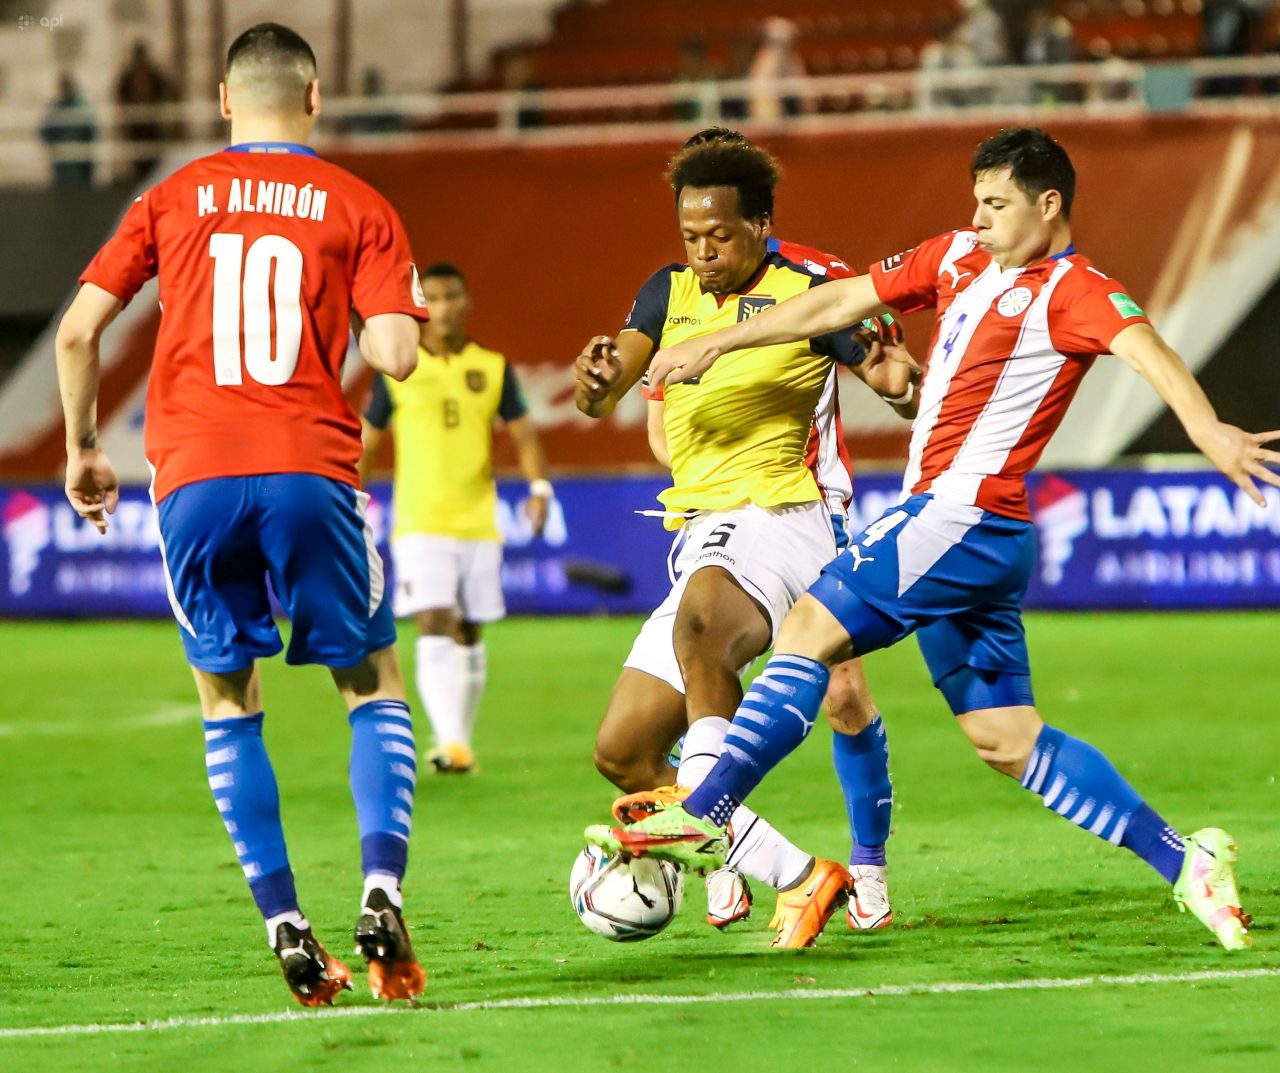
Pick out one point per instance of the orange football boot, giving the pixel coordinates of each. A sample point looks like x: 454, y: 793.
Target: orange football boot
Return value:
x: 632, y: 807
x: 383, y: 939
x: 803, y: 911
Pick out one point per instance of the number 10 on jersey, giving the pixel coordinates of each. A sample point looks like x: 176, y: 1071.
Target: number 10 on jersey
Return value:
x: 243, y: 290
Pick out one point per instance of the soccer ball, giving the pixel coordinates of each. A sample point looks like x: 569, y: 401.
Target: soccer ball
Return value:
x: 624, y: 899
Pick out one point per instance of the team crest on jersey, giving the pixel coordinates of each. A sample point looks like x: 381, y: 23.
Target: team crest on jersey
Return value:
x: 749, y: 307
x: 1014, y: 302
x: 476, y: 379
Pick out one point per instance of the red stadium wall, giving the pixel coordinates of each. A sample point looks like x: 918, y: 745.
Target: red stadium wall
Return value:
x: 557, y: 240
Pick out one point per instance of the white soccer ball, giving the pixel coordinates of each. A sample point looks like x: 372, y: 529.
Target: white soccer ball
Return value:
x: 624, y: 899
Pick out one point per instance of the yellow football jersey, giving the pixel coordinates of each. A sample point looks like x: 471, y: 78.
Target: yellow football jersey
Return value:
x: 443, y: 422
x: 739, y: 433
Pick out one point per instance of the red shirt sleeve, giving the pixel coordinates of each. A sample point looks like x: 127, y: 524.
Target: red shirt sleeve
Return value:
x: 128, y: 259
x: 653, y: 392
x: 386, y: 280
x: 1089, y: 309
x: 908, y: 282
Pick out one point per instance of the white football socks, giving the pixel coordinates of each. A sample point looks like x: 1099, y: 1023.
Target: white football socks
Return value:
x: 439, y: 675
x: 474, y: 670
x: 759, y: 850
x: 290, y: 916
x: 385, y: 882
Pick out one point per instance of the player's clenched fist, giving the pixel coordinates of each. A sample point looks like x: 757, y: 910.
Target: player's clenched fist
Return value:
x: 596, y: 370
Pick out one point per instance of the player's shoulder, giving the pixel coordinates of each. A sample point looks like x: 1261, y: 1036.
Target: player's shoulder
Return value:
x: 478, y: 352
x: 944, y: 248
x: 1083, y: 276
x: 816, y: 261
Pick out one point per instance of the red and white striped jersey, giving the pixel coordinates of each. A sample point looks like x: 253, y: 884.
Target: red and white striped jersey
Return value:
x: 1009, y: 348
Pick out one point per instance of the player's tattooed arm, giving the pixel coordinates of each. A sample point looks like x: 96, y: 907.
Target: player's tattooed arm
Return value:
x: 1242, y: 456
x: 91, y: 486
x: 607, y: 368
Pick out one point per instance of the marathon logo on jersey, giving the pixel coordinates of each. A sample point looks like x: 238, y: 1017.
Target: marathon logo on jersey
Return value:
x: 750, y: 307
x: 476, y: 380
x: 683, y: 319
x: 892, y: 264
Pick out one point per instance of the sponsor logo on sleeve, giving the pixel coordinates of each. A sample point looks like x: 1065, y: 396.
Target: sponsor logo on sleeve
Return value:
x: 1126, y: 306
x: 891, y: 264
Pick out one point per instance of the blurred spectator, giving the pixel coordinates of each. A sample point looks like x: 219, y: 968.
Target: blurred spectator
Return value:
x: 69, y: 123
x: 695, y: 79
x: 1232, y: 28
x: 983, y: 32
x: 142, y: 83
x: 518, y: 77
x: 372, y: 118
x: 777, y: 58
x: 1049, y: 40
x: 947, y: 54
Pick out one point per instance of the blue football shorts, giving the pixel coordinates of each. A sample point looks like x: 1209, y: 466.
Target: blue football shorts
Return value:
x: 955, y: 576
x: 222, y: 539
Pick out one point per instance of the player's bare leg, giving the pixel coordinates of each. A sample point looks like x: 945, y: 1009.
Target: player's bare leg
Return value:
x: 442, y: 683
x: 644, y: 718
x: 244, y: 790
x: 383, y: 776
x: 861, y: 757
x: 718, y: 629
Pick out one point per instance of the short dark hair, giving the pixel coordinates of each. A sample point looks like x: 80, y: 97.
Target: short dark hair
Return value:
x: 443, y: 270
x: 1036, y: 162
x: 727, y: 161
x: 271, y: 42
x: 715, y: 134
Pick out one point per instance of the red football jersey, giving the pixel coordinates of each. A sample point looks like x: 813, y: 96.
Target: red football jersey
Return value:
x: 261, y: 253
x: 1009, y: 348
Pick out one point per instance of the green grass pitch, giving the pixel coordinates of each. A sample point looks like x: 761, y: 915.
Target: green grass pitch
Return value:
x: 123, y: 902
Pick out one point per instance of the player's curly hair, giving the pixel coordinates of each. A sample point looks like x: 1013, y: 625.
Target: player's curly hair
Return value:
x: 1035, y: 160
x: 722, y: 157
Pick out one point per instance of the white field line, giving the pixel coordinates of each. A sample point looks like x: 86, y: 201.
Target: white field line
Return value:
x: 106, y: 724
x: 582, y: 1001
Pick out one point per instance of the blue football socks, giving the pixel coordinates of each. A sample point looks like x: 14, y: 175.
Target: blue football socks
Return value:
x: 775, y: 716
x: 1077, y: 782
x: 244, y: 790
x: 862, y: 765
x: 384, y: 771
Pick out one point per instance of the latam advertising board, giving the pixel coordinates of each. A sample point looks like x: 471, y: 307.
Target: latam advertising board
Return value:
x: 1108, y: 539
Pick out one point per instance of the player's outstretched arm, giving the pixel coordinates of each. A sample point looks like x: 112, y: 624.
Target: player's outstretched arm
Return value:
x: 389, y: 342
x: 92, y: 485
x: 1240, y: 455
x: 819, y: 310
x: 607, y: 368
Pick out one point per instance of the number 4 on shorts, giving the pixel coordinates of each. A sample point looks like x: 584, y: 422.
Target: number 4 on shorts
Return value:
x: 882, y: 527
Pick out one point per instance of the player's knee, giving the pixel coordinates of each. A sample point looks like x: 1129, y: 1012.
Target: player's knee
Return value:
x: 438, y: 622
x: 849, y: 706
x: 623, y: 766
x: 811, y: 630
x: 1003, y: 737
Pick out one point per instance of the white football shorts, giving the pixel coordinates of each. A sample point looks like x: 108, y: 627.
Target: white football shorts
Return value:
x: 439, y: 571
x: 775, y: 554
